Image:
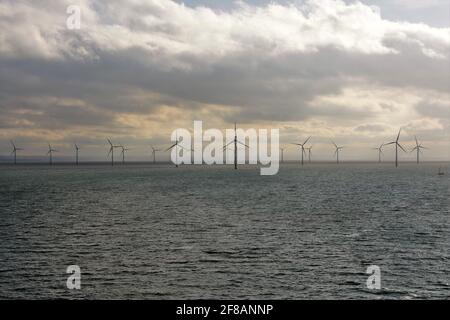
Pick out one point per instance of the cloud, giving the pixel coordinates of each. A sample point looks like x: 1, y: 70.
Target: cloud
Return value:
x: 373, y: 128
x: 139, y: 68
x: 434, y: 108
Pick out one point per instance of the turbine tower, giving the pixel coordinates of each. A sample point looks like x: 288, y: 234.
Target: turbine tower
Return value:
x: 336, y: 152
x: 380, y: 151
x: 302, y: 145
x: 14, y: 151
x: 235, y: 142
x: 111, y: 151
x: 154, y: 150
x: 417, y: 148
x: 397, y: 145
x: 50, y: 153
x: 76, y: 153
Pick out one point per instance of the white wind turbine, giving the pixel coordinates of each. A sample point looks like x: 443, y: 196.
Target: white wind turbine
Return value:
x: 123, y: 153
x: 309, y: 153
x: 397, y: 145
x: 336, y: 151
x: 282, y: 153
x: 14, y: 151
x: 111, y: 151
x: 154, y: 150
x: 176, y: 145
x: 302, y: 145
x: 50, y: 153
x: 235, y: 142
x: 380, y: 151
x: 418, y: 148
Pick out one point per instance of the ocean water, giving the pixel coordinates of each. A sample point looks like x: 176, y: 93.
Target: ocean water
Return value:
x: 157, y: 232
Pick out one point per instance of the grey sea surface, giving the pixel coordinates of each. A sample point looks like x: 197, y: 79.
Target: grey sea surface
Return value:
x: 199, y: 232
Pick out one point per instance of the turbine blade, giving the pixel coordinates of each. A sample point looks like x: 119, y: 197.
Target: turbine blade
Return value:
x: 306, y: 140
x: 228, y: 144
x: 401, y: 147
x: 184, y: 148
x: 417, y: 142
x: 171, y: 146
x: 398, y: 136
x: 243, y: 144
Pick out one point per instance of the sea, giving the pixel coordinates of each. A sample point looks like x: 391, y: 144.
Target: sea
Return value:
x: 144, y: 231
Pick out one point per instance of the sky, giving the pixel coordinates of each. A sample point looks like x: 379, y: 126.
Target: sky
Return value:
x: 349, y: 71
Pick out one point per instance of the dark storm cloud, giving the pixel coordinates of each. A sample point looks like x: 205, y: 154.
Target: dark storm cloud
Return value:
x: 279, y: 88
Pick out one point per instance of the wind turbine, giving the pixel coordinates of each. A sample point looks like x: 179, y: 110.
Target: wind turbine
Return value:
x: 282, y: 153
x: 302, y: 145
x: 111, y: 151
x: 14, y: 151
x: 380, y: 151
x: 235, y: 142
x: 76, y: 153
x: 396, y: 147
x: 309, y: 153
x: 154, y: 153
x: 417, y: 148
x: 336, y: 152
x: 50, y: 153
x: 176, y: 145
x: 123, y: 153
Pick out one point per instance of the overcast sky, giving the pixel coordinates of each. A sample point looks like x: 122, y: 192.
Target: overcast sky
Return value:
x: 351, y: 71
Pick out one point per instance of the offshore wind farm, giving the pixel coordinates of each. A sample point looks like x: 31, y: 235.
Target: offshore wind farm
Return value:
x: 229, y: 148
